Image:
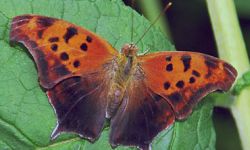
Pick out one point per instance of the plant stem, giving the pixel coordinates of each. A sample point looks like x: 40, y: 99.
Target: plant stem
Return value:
x: 152, y: 8
x: 232, y: 48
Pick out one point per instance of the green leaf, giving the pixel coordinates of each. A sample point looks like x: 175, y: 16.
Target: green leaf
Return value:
x: 197, y: 132
x: 242, y: 83
x: 27, y: 119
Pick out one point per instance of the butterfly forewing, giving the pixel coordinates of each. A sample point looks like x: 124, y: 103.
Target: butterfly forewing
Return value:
x: 183, y: 78
x: 59, y: 48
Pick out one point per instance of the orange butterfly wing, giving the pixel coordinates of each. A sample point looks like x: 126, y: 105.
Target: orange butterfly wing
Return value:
x: 183, y: 78
x: 59, y: 48
x: 74, y: 66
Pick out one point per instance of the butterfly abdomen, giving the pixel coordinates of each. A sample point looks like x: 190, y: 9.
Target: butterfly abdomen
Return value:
x: 114, y: 99
x: 119, y: 84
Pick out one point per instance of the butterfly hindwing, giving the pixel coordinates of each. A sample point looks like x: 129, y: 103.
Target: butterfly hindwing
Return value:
x: 59, y: 48
x: 80, y: 104
x: 183, y: 78
x: 141, y: 116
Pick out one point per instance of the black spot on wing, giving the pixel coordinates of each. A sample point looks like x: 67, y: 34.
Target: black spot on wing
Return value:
x: 211, y: 62
x: 196, y: 73
x: 84, y: 47
x: 54, y: 47
x: 44, y: 22
x: 53, y: 39
x: 64, y: 56
x: 40, y: 33
x: 70, y: 32
x: 180, y: 84
x: 89, y: 39
x: 191, y: 80
x: 166, y: 85
x: 169, y: 67
x: 168, y: 58
x: 76, y: 63
x: 186, y: 59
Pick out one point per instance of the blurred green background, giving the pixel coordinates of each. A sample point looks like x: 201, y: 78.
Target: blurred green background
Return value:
x: 188, y: 26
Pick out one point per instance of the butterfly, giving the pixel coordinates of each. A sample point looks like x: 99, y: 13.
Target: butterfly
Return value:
x: 87, y: 81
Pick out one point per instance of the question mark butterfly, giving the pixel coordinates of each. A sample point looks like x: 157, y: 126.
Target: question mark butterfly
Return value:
x: 88, y: 81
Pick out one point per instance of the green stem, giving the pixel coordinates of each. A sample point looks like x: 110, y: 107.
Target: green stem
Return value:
x: 231, y: 48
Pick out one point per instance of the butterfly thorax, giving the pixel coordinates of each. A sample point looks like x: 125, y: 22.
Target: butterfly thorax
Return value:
x: 129, y: 50
x: 126, y: 67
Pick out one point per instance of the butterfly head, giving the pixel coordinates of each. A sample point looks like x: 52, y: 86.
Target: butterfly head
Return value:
x: 129, y: 50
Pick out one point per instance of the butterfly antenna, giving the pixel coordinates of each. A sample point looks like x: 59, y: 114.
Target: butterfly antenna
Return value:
x: 132, y: 16
x: 153, y: 23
